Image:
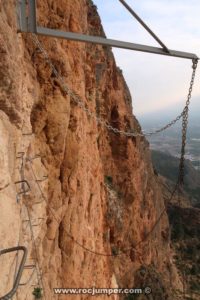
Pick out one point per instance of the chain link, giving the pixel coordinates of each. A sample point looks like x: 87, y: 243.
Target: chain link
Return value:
x: 185, y: 123
x: 100, y: 121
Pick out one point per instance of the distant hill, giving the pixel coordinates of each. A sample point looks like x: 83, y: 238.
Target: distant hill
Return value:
x: 167, y: 166
x: 162, y: 116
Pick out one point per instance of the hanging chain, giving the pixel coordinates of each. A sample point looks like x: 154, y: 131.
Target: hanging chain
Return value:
x: 100, y: 121
x: 80, y: 103
x: 185, y: 123
x: 182, y: 158
x: 164, y: 127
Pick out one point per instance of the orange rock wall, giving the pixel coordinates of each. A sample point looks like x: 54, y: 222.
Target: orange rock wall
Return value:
x: 86, y: 182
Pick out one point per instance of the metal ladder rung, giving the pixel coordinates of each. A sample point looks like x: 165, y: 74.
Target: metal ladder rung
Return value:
x: 28, y: 133
x: 45, y: 177
x: 21, y: 154
x: 29, y: 267
x: 31, y: 276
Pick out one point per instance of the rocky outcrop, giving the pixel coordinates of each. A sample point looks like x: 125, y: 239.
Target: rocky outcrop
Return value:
x: 91, y: 190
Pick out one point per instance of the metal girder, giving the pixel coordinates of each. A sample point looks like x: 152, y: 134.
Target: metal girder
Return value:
x: 32, y: 18
x: 24, y: 191
x: 113, y: 43
x: 28, y: 23
x: 22, y: 20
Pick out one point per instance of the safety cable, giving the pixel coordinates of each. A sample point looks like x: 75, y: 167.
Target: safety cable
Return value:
x: 21, y: 171
x: 36, y: 258
x: 185, y: 123
x: 39, y: 272
x: 96, y: 252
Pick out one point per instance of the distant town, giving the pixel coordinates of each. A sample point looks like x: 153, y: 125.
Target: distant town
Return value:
x: 169, y: 142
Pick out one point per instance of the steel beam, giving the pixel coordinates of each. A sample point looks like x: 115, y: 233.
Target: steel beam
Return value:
x: 32, y: 17
x: 21, y: 6
x: 112, y: 43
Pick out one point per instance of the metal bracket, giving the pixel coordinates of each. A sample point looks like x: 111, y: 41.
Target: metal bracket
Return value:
x: 28, y: 23
x: 144, y: 25
x: 40, y: 221
x: 34, y: 157
x: 27, y: 16
x: 21, y: 155
x: 45, y: 177
x: 28, y: 133
x: 29, y: 267
x: 30, y: 277
x: 19, y: 273
x: 28, y: 185
x: 23, y: 191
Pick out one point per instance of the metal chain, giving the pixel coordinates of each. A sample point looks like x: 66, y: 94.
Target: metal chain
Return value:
x: 164, y: 127
x: 185, y: 123
x: 81, y: 104
x: 182, y: 158
x: 77, y: 99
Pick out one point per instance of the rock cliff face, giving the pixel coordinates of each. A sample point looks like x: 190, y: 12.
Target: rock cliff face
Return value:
x: 90, y: 189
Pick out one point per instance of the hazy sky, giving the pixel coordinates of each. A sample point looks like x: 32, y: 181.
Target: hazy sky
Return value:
x: 156, y: 82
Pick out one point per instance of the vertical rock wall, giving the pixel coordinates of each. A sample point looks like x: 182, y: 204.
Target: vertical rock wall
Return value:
x: 88, y: 186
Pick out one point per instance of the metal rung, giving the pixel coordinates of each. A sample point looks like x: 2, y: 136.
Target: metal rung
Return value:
x: 44, y: 178
x: 31, y: 276
x: 21, y: 154
x: 35, y: 157
x: 35, y: 225
x: 29, y: 267
x: 28, y: 220
x: 28, y: 133
x: 28, y: 186
x: 25, y: 191
x: 39, y: 202
x: 39, y: 223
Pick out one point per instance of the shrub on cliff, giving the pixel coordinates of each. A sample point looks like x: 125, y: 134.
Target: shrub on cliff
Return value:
x: 37, y: 293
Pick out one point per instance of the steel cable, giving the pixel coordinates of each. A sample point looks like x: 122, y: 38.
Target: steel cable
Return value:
x: 99, y: 253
